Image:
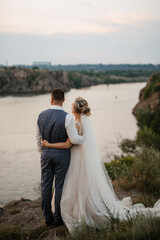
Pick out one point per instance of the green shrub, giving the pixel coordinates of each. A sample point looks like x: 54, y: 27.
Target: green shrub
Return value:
x: 35, y: 68
x: 148, y: 138
x: 3, y: 82
x: 155, y: 124
x: 116, y: 167
x: 76, y: 79
x: 147, y: 91
x: 144, y: 117
x: 140, y: 172
x: 150, y: 120
x: 144, y: 172
x: 29, y: 81
x: 95, y: 81
x: 154, y: 86
x: 128, y: 146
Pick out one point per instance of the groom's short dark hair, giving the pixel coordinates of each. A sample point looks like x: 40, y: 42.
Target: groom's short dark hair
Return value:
x: 58, y: 94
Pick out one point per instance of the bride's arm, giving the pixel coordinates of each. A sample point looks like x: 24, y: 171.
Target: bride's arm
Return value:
x: 61, y: 145
x: 73, y: 134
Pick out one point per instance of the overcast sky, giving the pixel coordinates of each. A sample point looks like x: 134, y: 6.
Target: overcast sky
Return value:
x: 79, y: 31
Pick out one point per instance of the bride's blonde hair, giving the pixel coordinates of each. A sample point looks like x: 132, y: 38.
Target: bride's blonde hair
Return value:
x: 81, y: 106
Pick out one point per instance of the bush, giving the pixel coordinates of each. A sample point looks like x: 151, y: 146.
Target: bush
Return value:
x: 148, y: 138
x: 150, y: 120
x: 116, y: 167
x: 154, y: 86
x: 144, y: 117
x: 128, y: 146
x: 144, y: 172
x: 155, y: 124
x: 35, y: 68
x: 147, y: 91
x: 3, y: 82
x: 75, y: 79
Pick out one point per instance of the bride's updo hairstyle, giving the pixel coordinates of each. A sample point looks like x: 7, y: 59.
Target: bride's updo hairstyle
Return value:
x: 81, y: 106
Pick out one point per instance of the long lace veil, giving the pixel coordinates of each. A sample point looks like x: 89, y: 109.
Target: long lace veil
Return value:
x: 96, y: 170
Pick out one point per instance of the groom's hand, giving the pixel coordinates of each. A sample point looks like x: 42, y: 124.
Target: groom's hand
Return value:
x: 68, y: 143
x: 44, y: 143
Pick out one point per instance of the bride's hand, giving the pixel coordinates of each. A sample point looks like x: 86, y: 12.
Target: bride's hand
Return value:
x: 44, y: 143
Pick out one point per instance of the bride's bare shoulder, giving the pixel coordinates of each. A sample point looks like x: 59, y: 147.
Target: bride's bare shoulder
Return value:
x: 79, y: 127
x: 77, y: 124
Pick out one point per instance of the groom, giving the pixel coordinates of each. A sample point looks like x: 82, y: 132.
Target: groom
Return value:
x: 55, y: 125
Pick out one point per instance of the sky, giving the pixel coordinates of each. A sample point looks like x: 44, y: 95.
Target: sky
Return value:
x: 80, y: 31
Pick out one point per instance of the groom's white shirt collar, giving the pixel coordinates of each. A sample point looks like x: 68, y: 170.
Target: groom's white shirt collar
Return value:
x: 56, y: 107
x: 68, y: 116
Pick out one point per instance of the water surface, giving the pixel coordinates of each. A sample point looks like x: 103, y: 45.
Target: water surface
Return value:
x: 111, y: 119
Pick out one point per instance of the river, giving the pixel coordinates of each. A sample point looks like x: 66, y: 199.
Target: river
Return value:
x: 111, y: 107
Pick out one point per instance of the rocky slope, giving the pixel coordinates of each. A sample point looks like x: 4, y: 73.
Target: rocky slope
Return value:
x: 22, y: 219
x: 19, y: 81
x: 16, y: 81
x: 149, y: 96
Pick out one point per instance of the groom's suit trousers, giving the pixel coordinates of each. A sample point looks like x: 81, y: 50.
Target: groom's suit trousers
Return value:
x: 53, y: 163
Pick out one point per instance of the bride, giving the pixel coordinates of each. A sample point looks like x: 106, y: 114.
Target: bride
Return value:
x: 87, y: 192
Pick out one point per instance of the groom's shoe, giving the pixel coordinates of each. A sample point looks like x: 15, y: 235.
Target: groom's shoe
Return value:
x: 59, y: 223
x: 50, y: 222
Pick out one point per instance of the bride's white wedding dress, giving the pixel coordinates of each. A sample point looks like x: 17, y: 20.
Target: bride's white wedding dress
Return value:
x: 87, y: 187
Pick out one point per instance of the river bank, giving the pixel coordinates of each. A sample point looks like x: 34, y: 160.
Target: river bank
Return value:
x: 23, y: 219
x: 16, y: 81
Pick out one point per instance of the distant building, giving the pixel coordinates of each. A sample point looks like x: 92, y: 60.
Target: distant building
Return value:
x: 37, y: 64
